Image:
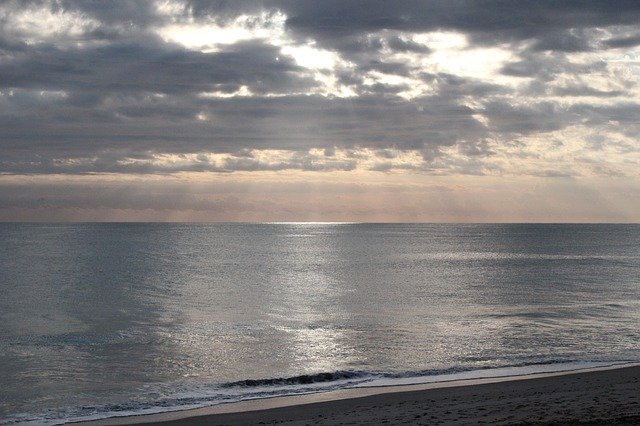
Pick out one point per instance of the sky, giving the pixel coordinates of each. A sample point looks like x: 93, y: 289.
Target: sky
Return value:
x: 291, y: 110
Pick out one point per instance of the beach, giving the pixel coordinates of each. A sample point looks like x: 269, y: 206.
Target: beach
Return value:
x: 603, y: 396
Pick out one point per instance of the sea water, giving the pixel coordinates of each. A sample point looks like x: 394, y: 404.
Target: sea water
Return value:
x: 101, y: 320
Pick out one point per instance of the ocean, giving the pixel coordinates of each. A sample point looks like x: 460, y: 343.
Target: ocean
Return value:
x: 103, y: 320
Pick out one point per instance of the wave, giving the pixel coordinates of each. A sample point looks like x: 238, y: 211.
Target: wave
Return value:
x: 196, y: 396
x: 303, y: 379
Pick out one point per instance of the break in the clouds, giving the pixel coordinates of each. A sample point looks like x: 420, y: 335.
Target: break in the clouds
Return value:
x: 498, y: 89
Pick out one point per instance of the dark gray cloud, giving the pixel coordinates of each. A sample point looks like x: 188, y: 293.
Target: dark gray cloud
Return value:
x: 153, y: 66
x: 584, y: 90
x: 622, y: 42
x: 400, y: 45
x: 565, y: 41
x: 335, y: 19
x: 522, y: 120
x: 545, y: 67
x: 485, y: 21
x: 295, y: 123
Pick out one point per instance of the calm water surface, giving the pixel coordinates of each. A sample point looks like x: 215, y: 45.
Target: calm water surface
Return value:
x: 108, y: 319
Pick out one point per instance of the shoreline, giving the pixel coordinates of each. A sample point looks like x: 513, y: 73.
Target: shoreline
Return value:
x: 297, y: 408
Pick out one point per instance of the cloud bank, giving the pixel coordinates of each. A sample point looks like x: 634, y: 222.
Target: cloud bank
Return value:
x: 538, y: 89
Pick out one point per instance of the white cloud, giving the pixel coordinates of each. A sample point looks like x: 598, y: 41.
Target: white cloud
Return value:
x: 35, y: 24
x: 211, y: 36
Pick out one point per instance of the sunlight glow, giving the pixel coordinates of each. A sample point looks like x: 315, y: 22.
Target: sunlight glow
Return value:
x: 209, y: 36
x: 311, y: 57
x: 242, y: 92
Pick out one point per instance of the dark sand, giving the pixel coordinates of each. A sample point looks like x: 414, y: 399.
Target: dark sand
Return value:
x: 596, y: 397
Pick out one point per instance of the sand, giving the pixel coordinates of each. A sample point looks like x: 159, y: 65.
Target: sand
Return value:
x: 606, y: 396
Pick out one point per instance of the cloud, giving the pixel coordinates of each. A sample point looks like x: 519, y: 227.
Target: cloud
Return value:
x: 486, y: 21
x: 89, y: 88
x: 622, y: 42
x: 584, y: 90
x: 154, y: 67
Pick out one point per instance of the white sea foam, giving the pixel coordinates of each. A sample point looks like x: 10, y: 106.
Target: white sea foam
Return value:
x: 207, y: 396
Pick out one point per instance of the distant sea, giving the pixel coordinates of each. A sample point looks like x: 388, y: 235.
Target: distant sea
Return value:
x: 101, y: 320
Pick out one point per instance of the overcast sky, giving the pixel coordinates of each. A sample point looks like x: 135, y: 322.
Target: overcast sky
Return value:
x: 296, y: 110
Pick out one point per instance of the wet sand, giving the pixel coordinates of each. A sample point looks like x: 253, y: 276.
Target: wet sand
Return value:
x: 609, y: 396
